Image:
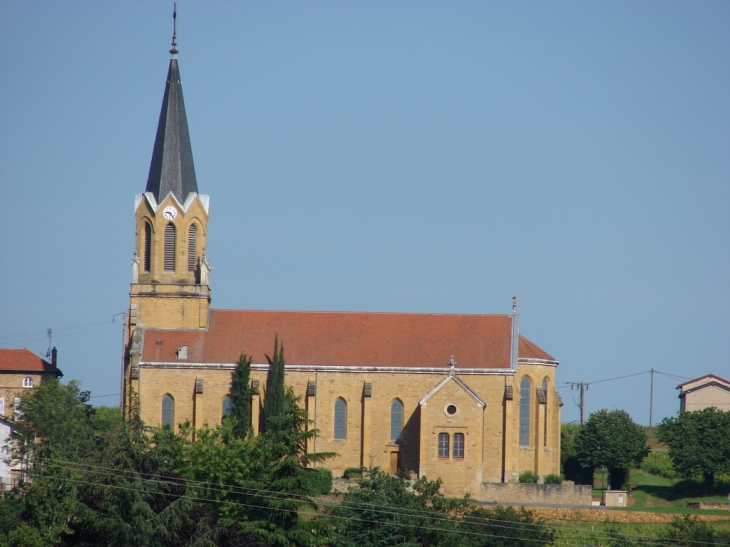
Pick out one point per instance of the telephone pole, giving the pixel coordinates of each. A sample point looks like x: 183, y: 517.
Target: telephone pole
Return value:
x: 583, y: 387
x: 651, y: 399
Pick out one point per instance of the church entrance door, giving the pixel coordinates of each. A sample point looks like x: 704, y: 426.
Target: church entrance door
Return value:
x: 394, y: 462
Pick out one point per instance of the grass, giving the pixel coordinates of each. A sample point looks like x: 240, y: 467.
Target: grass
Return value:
x: 661, y: 495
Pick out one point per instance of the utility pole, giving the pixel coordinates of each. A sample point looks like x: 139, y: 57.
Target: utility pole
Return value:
x: 583, y: 387
x: 651, y: 399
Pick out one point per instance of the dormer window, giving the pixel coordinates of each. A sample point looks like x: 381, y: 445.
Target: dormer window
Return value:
x: 28, y: 382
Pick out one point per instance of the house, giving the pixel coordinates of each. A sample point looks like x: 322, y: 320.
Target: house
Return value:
x: 705, y: 391
x: 20, y: 370
x: 464, y: 397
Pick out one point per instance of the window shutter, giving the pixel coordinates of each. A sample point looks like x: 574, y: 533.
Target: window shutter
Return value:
x: 192, y: 247
x: 147, y: 246
x: 169, y: 248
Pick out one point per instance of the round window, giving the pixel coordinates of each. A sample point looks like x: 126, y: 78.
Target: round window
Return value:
x: 451, y: 410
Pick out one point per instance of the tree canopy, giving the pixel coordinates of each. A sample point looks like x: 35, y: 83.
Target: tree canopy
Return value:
x: 699, y: 443
x: 242, y: 394
x: 275, y: 392
x: 611, y: 439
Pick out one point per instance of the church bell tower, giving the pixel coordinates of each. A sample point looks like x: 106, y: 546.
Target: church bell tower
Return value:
x: 170, y: 270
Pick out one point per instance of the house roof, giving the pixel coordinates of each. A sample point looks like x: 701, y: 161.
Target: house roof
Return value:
x: 345, y: 339
x: 709, y: 378
x: 24, y: 360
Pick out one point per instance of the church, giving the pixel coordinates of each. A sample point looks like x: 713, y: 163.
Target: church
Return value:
x: 464, y: 397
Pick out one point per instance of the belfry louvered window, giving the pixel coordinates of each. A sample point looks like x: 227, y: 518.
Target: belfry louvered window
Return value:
x: 192, y: 247
x: 147, y: 247
x: 170, y: 248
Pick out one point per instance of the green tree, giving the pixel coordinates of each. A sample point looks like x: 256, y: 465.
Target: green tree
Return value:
x: 275, y: 393
x: 690, y: 531
x: 611, y: 439
x: 242, y: 394
x: 53, y: 427
x: 261, y: 485
x: 382, y: 511
x: 699, y: 444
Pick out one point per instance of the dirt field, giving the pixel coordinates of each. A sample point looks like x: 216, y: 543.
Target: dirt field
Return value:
x: 551, y: 514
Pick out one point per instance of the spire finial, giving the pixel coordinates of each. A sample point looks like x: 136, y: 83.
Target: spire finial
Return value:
x: 173, y: 51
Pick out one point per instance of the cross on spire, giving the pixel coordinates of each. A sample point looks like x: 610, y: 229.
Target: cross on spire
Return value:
x: 173, y: 51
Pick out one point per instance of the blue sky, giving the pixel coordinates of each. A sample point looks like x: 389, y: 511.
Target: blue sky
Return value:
x: 386, y: 156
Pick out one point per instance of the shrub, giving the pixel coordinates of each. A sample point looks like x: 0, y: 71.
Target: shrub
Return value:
x: 528, y: 477
x: 553, y: 479
x: 352, y: 472
x: 575, y: 472
x: 688, y: 531
x: 320, y: 480
x: 659, y: 463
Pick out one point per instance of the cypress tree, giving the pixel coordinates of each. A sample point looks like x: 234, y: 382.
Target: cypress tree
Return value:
x: 274, y: 396
x: 242, y: 394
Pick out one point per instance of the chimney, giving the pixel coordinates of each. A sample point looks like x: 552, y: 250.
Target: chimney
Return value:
x: 54, y: 356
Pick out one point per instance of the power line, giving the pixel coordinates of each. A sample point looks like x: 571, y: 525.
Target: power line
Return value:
x: 280, y: 496
x: 65, y: 331
x: 100, y: 396
x: 306, y: 513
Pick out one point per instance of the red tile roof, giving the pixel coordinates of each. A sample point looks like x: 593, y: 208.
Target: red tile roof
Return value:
x: 24, y: 360
x: 345, y: 338
x: 529, y: 350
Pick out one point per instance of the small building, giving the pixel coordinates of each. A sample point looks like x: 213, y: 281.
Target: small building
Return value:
x: 20, y: 370
x: 703, y: 392
x: 615, y: 498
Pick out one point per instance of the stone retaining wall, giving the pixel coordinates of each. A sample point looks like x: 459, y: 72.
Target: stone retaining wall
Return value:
x: 553, y: 494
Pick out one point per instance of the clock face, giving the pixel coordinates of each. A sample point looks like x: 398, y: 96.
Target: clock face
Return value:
x: 170, y: 212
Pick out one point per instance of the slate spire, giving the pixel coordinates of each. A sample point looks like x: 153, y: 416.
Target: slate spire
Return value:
x: 172, y: 169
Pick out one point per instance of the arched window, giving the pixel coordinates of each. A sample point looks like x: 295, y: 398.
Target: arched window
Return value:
x: 28, y: 382
x: 525, y: 388
x: 226, y: 407
x: 545, y: 417
x: 340, y: 418
x: 168, y: 410
x: 169, y: 259
x: 147, y: 251
x: 192, y: 247
x: 458, y: 445
x: 396, y: 420
x: 443, y: 445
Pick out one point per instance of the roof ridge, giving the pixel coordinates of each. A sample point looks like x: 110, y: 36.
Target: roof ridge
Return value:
x: 363, y: 312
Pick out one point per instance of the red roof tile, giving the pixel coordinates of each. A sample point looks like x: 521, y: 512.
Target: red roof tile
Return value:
x: 23, y: 360
x: 532, y: 351
x: 344, y: 338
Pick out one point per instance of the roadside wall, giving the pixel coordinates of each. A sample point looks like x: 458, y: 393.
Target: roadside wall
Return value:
x: 554, y: 494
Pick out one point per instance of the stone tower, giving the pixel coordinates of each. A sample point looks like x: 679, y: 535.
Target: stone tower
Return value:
x: 170, y: 270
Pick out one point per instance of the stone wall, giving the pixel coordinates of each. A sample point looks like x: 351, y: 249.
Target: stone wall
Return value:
x: 554, y: 494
